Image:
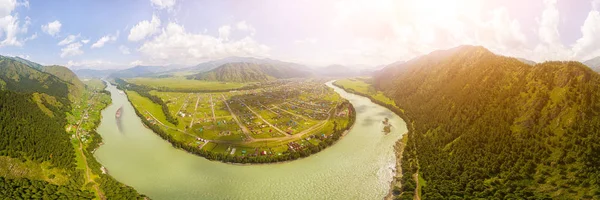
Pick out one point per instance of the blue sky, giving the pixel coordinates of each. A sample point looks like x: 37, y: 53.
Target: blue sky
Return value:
x: 124, y: 33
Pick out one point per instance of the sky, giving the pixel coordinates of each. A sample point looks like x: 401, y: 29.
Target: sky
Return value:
x: 124, y: 33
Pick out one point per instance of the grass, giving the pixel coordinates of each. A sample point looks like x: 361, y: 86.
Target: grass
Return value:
x: 225, y: 132
x: 16, y: 168
x: 182, y: 83
x: 144, y: 104
x: 422, y: 184
x: 94, y: 84
x: 360, y: 86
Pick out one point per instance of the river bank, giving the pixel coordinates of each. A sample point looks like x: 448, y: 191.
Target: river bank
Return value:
x: 356, y: 167
x: 305, y: 151
x: 398, y: 147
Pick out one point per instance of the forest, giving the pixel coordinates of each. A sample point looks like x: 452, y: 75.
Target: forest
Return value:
x: 29, y: 133
x: 489, y: 126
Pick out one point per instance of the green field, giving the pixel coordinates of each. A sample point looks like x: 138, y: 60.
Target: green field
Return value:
x: 94, y: 84
x: 266, y: 119
x: 359, y: 85
x: 182, y: 83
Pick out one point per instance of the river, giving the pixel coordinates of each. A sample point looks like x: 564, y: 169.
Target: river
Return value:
x: 358, y: 166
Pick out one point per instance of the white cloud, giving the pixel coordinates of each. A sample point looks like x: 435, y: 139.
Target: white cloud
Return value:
x: 174, y: 45
x: 52, y: 28
x: 24, y: 3
x: 85, y: 41
x: 124, y: 50
x: 32, y: 37
x: 586, y: 47
x: 136, y: 63
x: 243, y: 26
x: 68, y: 40
x: 104, y: 39
x: 387, y: 31
x: 225, y: 32
x: 7, y: 6
x: 10, y: 26
x: 72, y: 49
x: 144, y: 29
x: 95, y: 64
x: 162, y: 4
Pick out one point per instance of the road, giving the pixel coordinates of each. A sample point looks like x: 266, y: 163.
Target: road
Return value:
x: 88, y: 177
x: 195, y: 108
x: 291, y: 113
x: 244, y: 129
x: 261, y: 118
x: 212, y: 107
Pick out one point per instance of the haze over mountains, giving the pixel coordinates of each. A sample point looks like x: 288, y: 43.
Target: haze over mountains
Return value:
x: 250, y: 72
x: 286, y: 70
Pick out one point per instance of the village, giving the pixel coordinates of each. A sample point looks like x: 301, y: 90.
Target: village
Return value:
x: 282, y: 118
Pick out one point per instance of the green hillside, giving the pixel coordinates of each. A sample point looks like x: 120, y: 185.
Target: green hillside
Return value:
x: 250, y: 72
x: 29, y: 63
x: 488, y: 126
x: 19, y: 77
x: 75, y: 85
x: 45, y: 146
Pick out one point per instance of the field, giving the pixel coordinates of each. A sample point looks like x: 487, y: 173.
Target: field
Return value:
x: 360, y: 85
x: 277, y: 119
x: 180, y: 83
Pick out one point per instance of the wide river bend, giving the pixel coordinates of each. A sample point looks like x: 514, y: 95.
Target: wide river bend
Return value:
x: 359, y: 166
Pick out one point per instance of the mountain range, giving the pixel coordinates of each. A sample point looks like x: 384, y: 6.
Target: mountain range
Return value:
x: 250, y: 72
x: 594, y: 64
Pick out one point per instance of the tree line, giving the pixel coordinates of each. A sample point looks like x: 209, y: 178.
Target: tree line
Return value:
x: 145, y: 92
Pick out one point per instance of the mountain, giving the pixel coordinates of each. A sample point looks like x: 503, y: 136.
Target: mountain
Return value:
x: 337, y: 70
x: 18, y: 77
x: 76, y: 87
x: 93, y: 73
x: 210, y: 65
x: 29, y: 63
x: 138, y: 71
x: 529, y: 62
x: 38, y: 105
x: 593, y: 63
x: 250, y: 72
x: 484, y: 126
x: 22, y: 75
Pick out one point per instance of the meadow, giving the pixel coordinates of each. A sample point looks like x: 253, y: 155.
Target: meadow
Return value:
x: 181, y: 83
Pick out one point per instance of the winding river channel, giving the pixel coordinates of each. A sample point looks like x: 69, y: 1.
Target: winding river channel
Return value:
x: 359, y: 166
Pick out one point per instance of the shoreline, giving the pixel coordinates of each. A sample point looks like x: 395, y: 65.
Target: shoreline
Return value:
x: 178, y: 145
x: 398, y: 168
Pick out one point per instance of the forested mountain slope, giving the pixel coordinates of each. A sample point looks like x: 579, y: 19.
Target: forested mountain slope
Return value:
x: 250, y: 72
x: 37, y: 155
x: 488, y: 126
x: 75, y: 86
x: 19, y: 77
